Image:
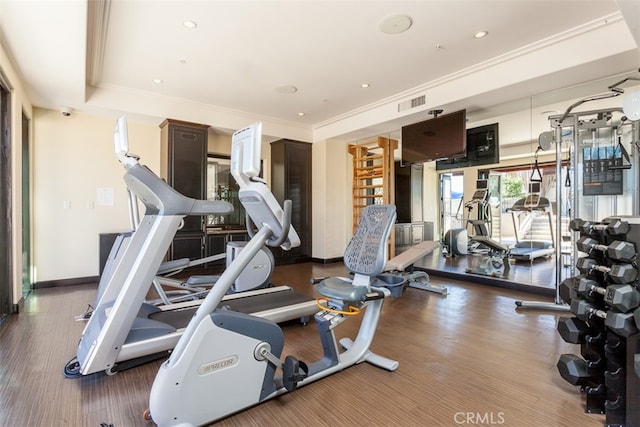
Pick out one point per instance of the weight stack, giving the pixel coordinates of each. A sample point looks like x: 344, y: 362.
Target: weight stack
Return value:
x: 623, y: 397
x: 609, y: 369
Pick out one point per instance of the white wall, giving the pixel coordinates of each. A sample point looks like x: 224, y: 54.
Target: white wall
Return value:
x: 73, y: 158
x: 331, y: 203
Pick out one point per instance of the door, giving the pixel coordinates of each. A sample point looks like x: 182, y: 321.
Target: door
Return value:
x: 5, y: 206
x: 26, y: 210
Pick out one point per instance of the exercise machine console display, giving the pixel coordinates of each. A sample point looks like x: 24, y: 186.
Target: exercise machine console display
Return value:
x: 482, y: 190
x: 533, y: 198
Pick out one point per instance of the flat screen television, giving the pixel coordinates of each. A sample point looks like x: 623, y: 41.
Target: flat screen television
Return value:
x: 482, y: 149
x: 443, y: 137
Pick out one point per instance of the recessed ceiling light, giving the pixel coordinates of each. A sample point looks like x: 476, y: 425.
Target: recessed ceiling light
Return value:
x: 286, y: 89
x: 365, y: 85
x: 395, y: 24
x: 481, y: 34
x: 189, y: 24
x: 301, y: 114
x: 158, y: 81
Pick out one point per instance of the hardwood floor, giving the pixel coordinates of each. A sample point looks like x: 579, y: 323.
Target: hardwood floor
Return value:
x: 465, y: 359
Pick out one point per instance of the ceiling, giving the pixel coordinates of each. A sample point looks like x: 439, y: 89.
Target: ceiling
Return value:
x: 243, y: 58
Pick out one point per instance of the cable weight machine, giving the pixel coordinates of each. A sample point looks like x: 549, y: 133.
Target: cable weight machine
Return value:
x: 567, y: 129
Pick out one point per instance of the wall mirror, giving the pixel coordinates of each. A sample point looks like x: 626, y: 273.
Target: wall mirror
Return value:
x: 222, y: 186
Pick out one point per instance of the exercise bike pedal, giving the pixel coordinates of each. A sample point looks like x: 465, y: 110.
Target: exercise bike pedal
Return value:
x: 293, y: 371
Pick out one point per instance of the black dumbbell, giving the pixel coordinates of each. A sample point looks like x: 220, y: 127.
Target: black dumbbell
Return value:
x: 573, y: 330
x: 616, y: 227
x: 617, y: 250
x: 617, y: 273
x: 620, y: 323
x: 576, y: 224
x: 623, y: 298
x: 567, y: 289
x: 574, y: 369
x: 636, y: 315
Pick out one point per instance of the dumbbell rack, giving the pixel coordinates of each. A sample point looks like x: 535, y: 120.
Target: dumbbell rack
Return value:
x: 608, y: 368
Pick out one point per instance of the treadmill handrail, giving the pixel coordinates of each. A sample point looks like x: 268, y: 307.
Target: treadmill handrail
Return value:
x: 160, y: 198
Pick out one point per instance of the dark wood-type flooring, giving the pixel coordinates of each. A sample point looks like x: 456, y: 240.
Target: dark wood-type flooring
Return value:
x: 465, y: 359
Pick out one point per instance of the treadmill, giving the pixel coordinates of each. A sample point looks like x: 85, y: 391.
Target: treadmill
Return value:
x: 123, y: 330
x: 528, y: 250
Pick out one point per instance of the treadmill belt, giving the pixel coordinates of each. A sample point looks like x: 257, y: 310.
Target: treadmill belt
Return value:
x: 249, y: 305
x: 528, y: 254
x: 179, y: 319
x: 263, y: 302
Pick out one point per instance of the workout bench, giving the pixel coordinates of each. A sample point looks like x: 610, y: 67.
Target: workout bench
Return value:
x: 497, y: 260
x: 403, y: 264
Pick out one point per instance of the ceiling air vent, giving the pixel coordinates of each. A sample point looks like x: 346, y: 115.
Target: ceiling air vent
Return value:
x: 412, y: 103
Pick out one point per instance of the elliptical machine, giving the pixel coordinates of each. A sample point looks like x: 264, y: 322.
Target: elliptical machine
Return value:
x: 481, y: 226
x: 496, y: 255
x: 227, y: 361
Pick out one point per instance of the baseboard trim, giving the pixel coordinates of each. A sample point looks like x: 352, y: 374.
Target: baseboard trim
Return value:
x: 327, y: 261
x: 4, y: 321
x: 17, y: 307
x: 490, y: 281
x: 66, y: 282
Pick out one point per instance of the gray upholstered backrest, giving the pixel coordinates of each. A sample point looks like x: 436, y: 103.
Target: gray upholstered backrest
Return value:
x: 366, y: 253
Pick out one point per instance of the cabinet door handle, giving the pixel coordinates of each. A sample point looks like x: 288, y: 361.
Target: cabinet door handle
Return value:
x: 186, y: 135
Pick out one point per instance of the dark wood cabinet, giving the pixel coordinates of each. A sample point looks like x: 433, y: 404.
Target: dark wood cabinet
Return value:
x: 183, y: 164
x: 291, y: 179
x: 402, y: 193
x: 216, y: 244
x: 408, y: 192
x: 187, y: 245
x: 410, y: 228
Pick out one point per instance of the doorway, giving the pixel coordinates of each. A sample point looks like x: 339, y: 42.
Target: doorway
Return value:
x: 5, y: 206
x: 451, y: 202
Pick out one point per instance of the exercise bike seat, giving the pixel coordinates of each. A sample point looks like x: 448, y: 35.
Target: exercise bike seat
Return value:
x: 365, y: 255
x: 338, y: 288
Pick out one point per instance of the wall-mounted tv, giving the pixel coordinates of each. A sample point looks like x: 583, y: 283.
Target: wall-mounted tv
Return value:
x: 483, y: 148
x: 443, y: 137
